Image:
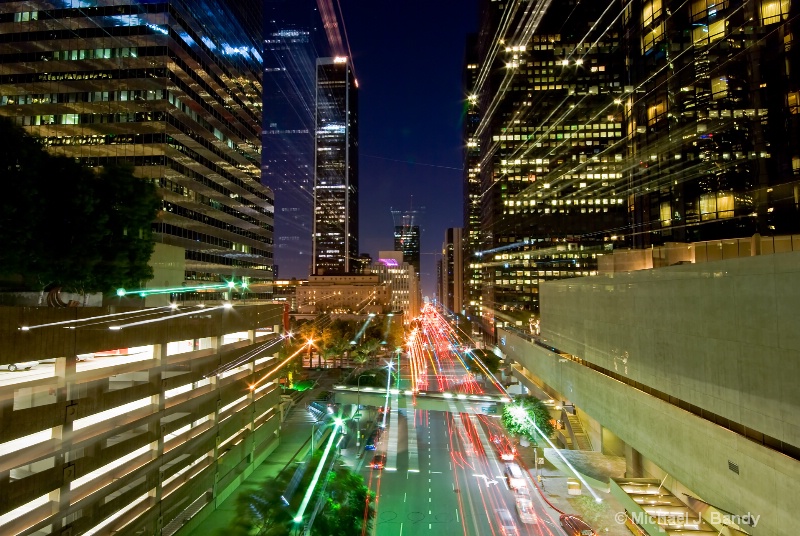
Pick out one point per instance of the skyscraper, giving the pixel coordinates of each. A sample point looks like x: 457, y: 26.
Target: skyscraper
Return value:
x: 471, y: 186
x: 407, y: 239
x: 713, y: 117
x: 288, y: 135
x: 549, y: 138
x: 335, y: 237
x: 171, y: 88
x: 452, y: 270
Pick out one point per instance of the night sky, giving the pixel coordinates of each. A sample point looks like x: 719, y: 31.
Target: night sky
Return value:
x: 409, y: 60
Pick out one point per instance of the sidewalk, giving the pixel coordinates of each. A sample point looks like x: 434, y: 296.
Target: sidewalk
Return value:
x: 295, y: 439
x: 554, y: 486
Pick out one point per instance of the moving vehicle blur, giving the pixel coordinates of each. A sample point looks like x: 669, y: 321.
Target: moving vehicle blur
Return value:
x: 378, y: 461
x: 525, y: 510
x: 507, y: 525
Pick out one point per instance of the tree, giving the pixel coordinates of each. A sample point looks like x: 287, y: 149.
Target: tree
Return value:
x: 369, y: 347
x: 489, y: 359
x: 310, y: 332
x: 346, y: 498
x: 521, y: 412
x: 261, y: 512
x: 84, y: 229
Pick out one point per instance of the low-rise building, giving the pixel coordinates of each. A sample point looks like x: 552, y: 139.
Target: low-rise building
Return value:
x: 403, y: 279
x: 360, y: 294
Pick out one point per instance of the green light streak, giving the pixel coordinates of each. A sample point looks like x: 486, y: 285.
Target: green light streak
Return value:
x: 310, y: 491
x: 175, y: 290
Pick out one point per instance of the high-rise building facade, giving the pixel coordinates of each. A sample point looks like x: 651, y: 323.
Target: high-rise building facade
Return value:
x: 713, y: 111
x: 473, y: 275
x: 452, y: 285
x: 288, y: 135
x: 551, y: 145
x: 403, y: 280
x: 335, y: 238
x: 174, y: 89
x: 407, y: 238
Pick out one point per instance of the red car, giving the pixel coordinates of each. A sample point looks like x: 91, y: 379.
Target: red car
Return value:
x: 576, y: 526
x: 378, y: 461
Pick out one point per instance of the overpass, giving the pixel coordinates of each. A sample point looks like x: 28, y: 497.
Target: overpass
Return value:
x: 434, y: 401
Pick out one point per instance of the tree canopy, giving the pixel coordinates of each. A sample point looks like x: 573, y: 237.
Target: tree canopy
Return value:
x: 521, y: 412
x: 266, y: 511
x: 72, y: 226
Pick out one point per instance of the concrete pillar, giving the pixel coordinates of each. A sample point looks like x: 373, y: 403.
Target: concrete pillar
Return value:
x: 633, y: 463
x: 156, y: 379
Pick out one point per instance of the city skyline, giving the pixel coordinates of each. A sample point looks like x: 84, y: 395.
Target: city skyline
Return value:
x: 222, y: 216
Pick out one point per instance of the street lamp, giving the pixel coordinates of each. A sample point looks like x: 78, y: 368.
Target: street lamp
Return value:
x: 388, y: 385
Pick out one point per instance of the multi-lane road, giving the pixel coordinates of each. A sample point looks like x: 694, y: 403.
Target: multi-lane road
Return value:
x: 444, y: 475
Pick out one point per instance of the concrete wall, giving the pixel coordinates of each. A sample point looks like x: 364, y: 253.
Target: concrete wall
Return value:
x: 691, y: 449
x: 720, y: 339
x: 723, y: 336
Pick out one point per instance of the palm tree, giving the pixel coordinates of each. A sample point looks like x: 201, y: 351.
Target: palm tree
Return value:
x: 369, y: 347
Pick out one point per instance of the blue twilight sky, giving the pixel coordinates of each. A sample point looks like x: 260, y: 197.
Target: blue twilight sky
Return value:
x: 409, y: 59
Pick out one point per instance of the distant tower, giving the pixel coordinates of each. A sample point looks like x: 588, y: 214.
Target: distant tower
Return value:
x: 452, y: 270
x: 335, y: 235
x: 406, y: 237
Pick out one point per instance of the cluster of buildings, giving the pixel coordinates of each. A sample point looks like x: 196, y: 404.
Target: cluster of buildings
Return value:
x: 592, y: 127
x: 652, y: 145
x: 143, y: 420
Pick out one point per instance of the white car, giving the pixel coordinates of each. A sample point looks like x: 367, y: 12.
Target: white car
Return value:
x: 525, y: 510
x: 12, y: 367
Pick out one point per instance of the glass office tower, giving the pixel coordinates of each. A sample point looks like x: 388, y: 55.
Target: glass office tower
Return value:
x: 549, y: 138
x: 407, y: 240
x: 290, y: 51
x: 173, y: 88
x: 335, y: 239
x: 713, y: 118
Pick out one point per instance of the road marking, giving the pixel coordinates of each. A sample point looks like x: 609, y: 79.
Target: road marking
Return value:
x: 430, y: 499
x: 401, y: 529
x: 457, y: 521
x: 404, y: 497
x: 436, y: 472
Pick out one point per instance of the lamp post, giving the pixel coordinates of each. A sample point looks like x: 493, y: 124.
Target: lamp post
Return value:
x: 398, y: 350
x: 388, y: 385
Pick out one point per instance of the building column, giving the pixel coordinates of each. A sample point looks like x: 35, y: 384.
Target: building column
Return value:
x: 65, y: 397
x: 633, y: 463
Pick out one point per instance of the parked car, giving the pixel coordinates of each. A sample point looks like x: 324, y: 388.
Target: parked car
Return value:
x: 576, y: 526
x: 507, y: 525
x: 378, y: 461
x: 525, y: 510
x: 20, y: 365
